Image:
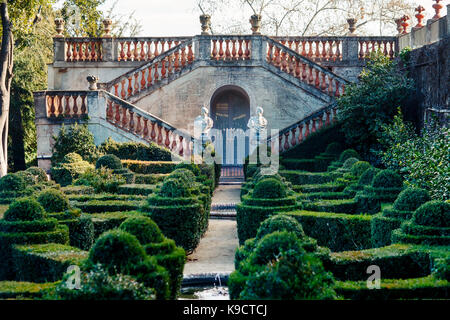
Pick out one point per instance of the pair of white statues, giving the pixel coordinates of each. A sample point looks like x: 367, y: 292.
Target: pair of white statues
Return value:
x: 204, y: 123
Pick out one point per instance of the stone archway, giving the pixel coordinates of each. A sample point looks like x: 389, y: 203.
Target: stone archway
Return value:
x: 230, y: 111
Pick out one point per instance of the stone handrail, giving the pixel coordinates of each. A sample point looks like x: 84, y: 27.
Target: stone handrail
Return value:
x: 299, y: 131
x: 303, y: 69
x: 163, y: 66
x: 83, y: 49
x: 231, y: 47
x: 140, y: 123
x: 66, y: 104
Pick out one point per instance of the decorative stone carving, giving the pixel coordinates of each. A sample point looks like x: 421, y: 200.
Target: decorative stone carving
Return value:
x: 419, y: 16
x: 405, y: 24
x: 255, y: 21
x: 437, y: 7
x: 92, y: 82
x: 203, y: 123
x: 107, y: 27
x: 205, y: 20
x: 59, y: 22
x: 352, y: 26
x: 257, y: 122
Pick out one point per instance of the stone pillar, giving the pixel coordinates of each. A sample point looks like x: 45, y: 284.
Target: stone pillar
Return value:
x: 59, y: 49
x: 258, y: 46
x: 202, y: 45
x: 350, y: 49
x: 109, y: 48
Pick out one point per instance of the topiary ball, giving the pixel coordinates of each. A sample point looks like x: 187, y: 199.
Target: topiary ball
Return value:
x: 269, y: 188
x: 184, y: 175
x: 367, y: 177
x: 195, y: 169
x: 433, y: 214
x: 53, y: 201
x: 349, y: 153
x: 348, y: 164
x: 334, y: 148
x: 411, y: 198
x: 118, y: 251
x: 174, y: 188
x: 24, y: 209
x: 109, y: 161
x: 387, y: 179
x: 12, y: 182
x: 39, y: 174
x: 270, y: 246
x: 72, y: 158
x: 358, y: 168
x: 144, y: 229
x: 280, y: 223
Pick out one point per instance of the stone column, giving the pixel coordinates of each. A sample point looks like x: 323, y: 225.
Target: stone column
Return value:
x: 258, y: 46
x: 59, y: 49
x: 350, y: 48
x: 202, y: 45
x: 109, y: 49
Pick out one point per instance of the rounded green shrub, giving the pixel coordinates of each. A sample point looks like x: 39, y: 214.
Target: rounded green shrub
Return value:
x: 358, y: 168
x: 349, y: 153
x: 118, y: 251
x: 185, y: 175
x: 280, y: 223
x: 269, y: 188
x: 387, y: 179
x: 144, y: 229
x: 27, y: 177
x: 270, y: 246
x: 348, y: 164
x: 334, y: 148
x: 39, y: 174
x: 72, y: 158
x: 367, y: 177
x: 174, y: 188
x: 433, y: 214
x: 12, y: 182
x: 194, y: 168
x: 411, y: 198
x: 24, y: 209
x: 109, y: 161
x: 53, y: 200
x: 259, y: 176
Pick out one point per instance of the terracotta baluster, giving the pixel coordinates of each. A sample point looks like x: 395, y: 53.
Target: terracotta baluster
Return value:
x: 314, y: 125
x: 131, y: 127
x: 122, y: 52
x: 75, y: 106
x: 51, y: 109
x: 391, y: 50
x: 93, y: 52
x: 297, y: 68
x: 183, y: 57
x: 167, y: 140
x: 117, y: 118
x: 160, y: 138
x: 60, y: 104
x: 247, y: 49
x: 283, y: 61
x: 69, y: 52
x: 67, y: 108
x: 227, y: 50
x: 280, y: 138
x: 323, y: 82
x: 173, y: 146
x: 269, y: 52
x: 169, y: 43
x: 156, y: 74
x: 109, y: 111
x: 214, y: 50
x: 297, y: 45
x: 153, y: 133
x: 136, y: 82
x: 190, y: 57
x: 221, y: 53
x: 233, y: 50
x: 138, y: 126
x: 337, y: 93
x: 181, y: 151
x: 325, y: 55
x: 122, y: 91
x: 338, y: 50
x: 128, y: 56
x: 293, y: 140
x: 286, y: 140
x: 304, y: 48
x: 143, y: 82
x: 330, y: 86
x: 277, y: 57
x: 149, y: 78
x: 317, y: 55
x: 124, y: 118
x: 163, y: 44
x: 437, y: 7
x: 163, y: 68
x: 75, y: 51
x: 135, y: 51
x: 130, y: 87
x: 317, y: 82
x: 83, y: 105
x: 361, y: 50
x: 156, y: 48
x: 149, y: 50
x: 320, y: 121
x: 306, y: 129
x: 145, y: 128
x: 300, y: 133
x: 311, y: 77
x: 241, y: 50
x: 169, y: 65
x: 304, y: 74
x: 327, y: 120
x: 176, y: 63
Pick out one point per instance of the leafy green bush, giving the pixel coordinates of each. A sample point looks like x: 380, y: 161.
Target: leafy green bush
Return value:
x: 347, y: 154
x: 12, y: 182
x: 422, y: 159
x: 360, y: 167
x: 25, y: 209
x: 135, y: 151
x: 269, y: 188
x: 302, y: 177
x: 348, y: 164
x: 69, y: 168
x: 53, y: 200
x: 149, y: 167
x: 434, y: 214
x: 143, y: 228
x: 77, y: 139
x: 367, y: 177
x: 38, y: 173
x: 381, y: 229
x: 334, y: 148
x: 280, y: 223
x: 109, y: 161
x: 174, y: 188
x: 194, y: 168
x: 411, y: 198
x: 27, y: 177
x: 387, y: 179
x: 369, y: 103
x: 136, y: 189
x: 102, y: 180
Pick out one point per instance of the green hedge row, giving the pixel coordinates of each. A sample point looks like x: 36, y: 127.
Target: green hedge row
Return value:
x: 150, y: 167
x: 338, y: 232
x: 348, y: 206
x: 315, y: 188
x: 97, y: 206
x: 106, y: 197
x: 110, y: 220
x: 323, y: 195
x: 136, y: 189
x: 303, y: 177
x: 45, y: 262
x: 24, y: 290
x: 149, y: 178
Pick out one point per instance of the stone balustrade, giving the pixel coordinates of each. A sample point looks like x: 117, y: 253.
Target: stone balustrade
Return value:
x: 230, y: 48
x: 296, y: 133
x: 315, y: 48
x: 66, y: 104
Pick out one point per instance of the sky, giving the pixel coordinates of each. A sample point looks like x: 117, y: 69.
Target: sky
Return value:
x: 181, y: 17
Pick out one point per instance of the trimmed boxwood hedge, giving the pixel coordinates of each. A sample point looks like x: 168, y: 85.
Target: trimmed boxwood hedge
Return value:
x: 381, y: 229
x: 21, y: 290
x: 303, y: 177
x: 323, y: 195
x: 136, y: 189
x: 110, y: 220
x: 339, y: 232
x: 45, y: 262
x: 315, y: 188
x: 98, y: 206
x: 348, y: 206
x: 149, y: 178
x: 396, y: 261
x: 149, y: 167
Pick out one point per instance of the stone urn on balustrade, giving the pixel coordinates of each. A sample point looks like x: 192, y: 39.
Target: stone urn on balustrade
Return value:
x: 205, y: 20
x: 255, y: 21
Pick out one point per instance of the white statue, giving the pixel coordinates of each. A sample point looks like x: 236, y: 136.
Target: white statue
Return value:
x: 257, y: 122
x: 203, y: 123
